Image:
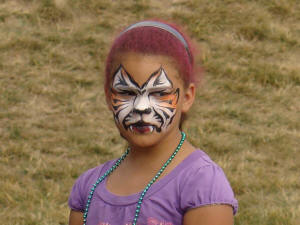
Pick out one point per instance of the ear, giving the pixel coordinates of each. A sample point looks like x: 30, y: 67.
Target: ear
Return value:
x: 188, y: 97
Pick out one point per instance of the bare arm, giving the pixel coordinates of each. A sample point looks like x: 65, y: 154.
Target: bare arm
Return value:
x: 76, y: 218
x: 209, y: 215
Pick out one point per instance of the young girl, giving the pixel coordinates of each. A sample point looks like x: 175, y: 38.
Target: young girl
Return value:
x: 161, y: 179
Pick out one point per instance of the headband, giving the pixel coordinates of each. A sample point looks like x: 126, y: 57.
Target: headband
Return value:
x: 162, y: 26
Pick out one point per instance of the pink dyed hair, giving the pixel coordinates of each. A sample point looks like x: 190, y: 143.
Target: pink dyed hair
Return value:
x: 153, y: 40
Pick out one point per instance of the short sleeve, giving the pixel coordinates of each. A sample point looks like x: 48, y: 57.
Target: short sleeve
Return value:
x: 80, y: 190
x: 207, y: 185
x: 76, y: 198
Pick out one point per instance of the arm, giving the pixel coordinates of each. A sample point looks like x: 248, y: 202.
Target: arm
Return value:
x: 209, y: 215
x: 76, y: 218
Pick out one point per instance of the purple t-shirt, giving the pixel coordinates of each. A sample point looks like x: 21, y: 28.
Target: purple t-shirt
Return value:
x: 197, y: 181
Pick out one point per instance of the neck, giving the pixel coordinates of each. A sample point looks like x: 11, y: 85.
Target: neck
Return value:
x: 156, y: 154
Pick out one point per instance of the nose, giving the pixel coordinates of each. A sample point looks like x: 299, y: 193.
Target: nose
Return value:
x: 142, y: 105
x: 146, y: 111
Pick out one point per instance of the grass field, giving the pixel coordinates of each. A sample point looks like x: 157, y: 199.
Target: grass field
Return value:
x: 54, y: 123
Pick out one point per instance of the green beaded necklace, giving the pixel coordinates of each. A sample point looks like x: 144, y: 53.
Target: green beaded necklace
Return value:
x: 109, y: 171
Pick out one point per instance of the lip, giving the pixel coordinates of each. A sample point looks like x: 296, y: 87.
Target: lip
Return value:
x: 141, y: 127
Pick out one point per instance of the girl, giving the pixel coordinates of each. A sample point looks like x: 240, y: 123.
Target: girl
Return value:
x: 161, y: 179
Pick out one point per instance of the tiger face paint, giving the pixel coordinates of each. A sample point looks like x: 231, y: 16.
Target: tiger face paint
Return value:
x: 147, y: 108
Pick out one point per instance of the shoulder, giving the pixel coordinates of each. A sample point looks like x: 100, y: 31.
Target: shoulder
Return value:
x: 203, y: 182
x: 90, y: 174
x: 201, y: 159
x: 198, y: 163
x: 82, y: 185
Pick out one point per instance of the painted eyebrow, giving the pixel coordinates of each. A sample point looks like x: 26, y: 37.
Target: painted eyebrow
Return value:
x: 162, y: 88
x: 126, y: 88
x: 119, y: 70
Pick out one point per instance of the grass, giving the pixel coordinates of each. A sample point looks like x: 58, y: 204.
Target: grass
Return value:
x: 54, y: 123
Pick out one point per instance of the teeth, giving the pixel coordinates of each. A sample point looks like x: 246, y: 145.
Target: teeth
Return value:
x: 151, y: 129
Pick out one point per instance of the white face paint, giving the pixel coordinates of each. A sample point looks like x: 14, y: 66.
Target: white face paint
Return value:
x: 147, y: 108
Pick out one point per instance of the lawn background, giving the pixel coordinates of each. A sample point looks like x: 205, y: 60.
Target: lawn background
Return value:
x: 54, y: 123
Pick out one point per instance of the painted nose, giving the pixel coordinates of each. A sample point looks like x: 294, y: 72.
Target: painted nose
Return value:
x: 141, y: 105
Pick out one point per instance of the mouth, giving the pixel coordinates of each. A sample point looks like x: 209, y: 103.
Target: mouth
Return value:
x: 141, y: 127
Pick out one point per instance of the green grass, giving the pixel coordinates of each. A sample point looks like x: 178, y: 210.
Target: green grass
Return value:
x: 54, y: 123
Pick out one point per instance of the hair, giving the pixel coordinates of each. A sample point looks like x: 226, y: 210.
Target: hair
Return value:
x: 157, y: 41
x: 154, y: 40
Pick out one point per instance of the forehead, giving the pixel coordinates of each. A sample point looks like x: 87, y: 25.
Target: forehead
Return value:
x: 141, y: 66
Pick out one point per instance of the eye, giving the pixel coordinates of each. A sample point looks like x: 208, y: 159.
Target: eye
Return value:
x: 127, y: 92
x: 159, y: 93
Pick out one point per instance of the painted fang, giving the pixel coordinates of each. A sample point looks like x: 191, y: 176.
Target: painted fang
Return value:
x: 147, y: 108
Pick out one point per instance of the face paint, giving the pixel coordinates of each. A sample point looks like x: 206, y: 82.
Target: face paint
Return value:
x: 147, y: 108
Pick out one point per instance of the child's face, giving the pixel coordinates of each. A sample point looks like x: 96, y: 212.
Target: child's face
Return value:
x: 146, y: 97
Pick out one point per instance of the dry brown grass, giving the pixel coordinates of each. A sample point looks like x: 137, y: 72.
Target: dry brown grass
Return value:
x: 54, y: 123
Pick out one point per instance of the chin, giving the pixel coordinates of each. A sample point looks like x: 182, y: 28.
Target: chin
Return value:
x: 142, y: 139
